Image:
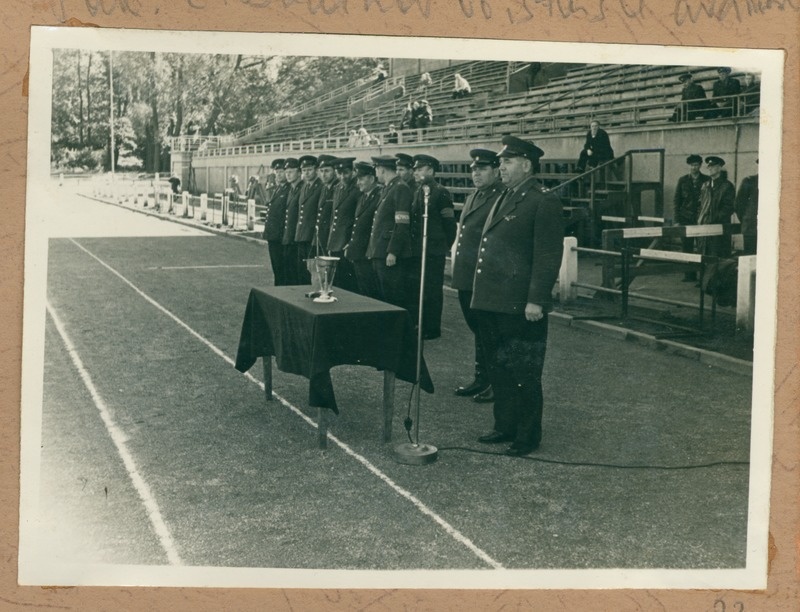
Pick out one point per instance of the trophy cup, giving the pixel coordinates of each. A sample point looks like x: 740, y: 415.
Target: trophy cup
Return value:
x: 325, y: 266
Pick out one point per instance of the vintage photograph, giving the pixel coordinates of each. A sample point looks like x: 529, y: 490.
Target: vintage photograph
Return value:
x: 356, y: 311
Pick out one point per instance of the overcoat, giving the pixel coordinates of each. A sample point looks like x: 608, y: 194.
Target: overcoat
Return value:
x: 275, y: 217
x: 520, y: 251
x: 307, y: 210
x: 345, y: 200
x: 686, y: 203
x: 390, y: 228
x: 441, y: 220
x: 356, y: 248
x: 470, y: 227
x: 292, y: 208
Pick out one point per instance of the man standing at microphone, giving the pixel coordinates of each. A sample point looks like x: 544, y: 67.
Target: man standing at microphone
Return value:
x: 518, y: 262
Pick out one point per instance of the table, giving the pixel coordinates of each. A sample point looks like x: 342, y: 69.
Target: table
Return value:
x: 309, y: 338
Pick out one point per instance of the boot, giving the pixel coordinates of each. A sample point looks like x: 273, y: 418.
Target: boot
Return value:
x: 484, y: 397
x: 478, y: 385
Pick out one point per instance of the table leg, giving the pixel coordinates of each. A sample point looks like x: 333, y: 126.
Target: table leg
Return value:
x: 267, y: 363
x: 322, y: 427
x: 388, y: 404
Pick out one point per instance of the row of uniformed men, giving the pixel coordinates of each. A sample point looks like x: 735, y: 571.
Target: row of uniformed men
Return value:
x: 508, y: 253
x: 371, y: 216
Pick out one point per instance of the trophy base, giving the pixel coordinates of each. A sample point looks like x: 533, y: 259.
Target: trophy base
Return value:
x: 325, y: 299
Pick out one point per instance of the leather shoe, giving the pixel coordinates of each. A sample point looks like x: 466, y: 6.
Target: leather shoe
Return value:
x: 520, y: 450
x: 495, y: 437
x: 484, y: 397
x: 473, y: 388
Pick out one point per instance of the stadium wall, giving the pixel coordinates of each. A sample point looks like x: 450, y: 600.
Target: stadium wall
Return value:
x: 736, y: 142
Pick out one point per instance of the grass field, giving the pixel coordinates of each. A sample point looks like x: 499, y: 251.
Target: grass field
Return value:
x: 155, y: 451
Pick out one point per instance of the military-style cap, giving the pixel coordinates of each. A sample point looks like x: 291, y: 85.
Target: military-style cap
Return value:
x: 326, y: 161
x: 404, y: 160
x: 385, y: 161
x: 345, y: 163
x: 426, y: 160
x: 694, y: 159
x: 713, y: 160
x: 277, y: 164
x: 308, y: 161
x: 686, y: 76
x: 484, y: 157
x: 724, y: 70
x: 516, y: 147
x: 364, y: 169
x: 291, y: 162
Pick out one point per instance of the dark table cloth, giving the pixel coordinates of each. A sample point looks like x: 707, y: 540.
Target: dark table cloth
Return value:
x: 308, y: 338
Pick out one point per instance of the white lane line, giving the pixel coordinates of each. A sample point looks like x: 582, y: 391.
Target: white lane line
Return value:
x: 449, y: 529
x: 206, y: 267
x: 119, y: 439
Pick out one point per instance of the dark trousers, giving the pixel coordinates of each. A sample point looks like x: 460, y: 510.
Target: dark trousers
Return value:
x: 366, y: 281
x: 391, y: 281
x: 471, y: 317
x: 515, y: 348
x: 750, y: 243
x: 290, y: 264
x: 276, y: 261
x: 345, y: 274
x: 432, y: 295
x: 303, y: 253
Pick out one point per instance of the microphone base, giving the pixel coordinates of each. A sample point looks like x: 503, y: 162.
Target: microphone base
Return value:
x: 415, y: 454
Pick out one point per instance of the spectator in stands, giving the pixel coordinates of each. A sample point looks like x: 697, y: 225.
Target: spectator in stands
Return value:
x: 717, y: 198
x: 345, y: 199
x: 405, y: 170
x: 352, y: 139
x: 327, y: 174
x: 423, y: 114
x: 747, y: 210
x: 694, y: 104
x: 686, y: 204
x: 488, y: 188
x: 751, y: 98
x: 294, y: 179
x: 363, y: 137
x: 255, y: 191
x: 392, y: 135
x: 408, y: 120
x: 234, y: 191
x: 275, y: 220
x: 725, y: 86
x: 389, y: 243
x: 356, y: 249
x: 461, y: 88
x: 425, y: 81
x: 441, y: 234
x: 307, y: 216
x: 380, y: 73
x: 175, y: 183
x: 596, y: 149
x: 521, y: 249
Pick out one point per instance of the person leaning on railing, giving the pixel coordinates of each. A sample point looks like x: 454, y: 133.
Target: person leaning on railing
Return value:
x: 724, y: 99
x: 693, y: 104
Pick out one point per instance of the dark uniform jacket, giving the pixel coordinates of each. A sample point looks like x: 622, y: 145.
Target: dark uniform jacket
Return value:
x: 307, y: 210
x: 292, y: 209
x: 473, y: 218
x: 390, y: 228
x: 696, y: 102
x: 441, y: 220
x: 716, y: 206
x: 275, y: 217
x: 324, y: 211
x: 521, y: 250
x: 686, y: 204
x: 747, y: 205
x: 727, y: 87
x: 356, y: 249
x: 345, y: 200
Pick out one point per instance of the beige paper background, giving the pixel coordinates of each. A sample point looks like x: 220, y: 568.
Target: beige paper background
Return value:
x: 728, y: 23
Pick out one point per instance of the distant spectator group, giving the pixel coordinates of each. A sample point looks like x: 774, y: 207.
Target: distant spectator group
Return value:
x: 417, y: 114
x: 728, y: 99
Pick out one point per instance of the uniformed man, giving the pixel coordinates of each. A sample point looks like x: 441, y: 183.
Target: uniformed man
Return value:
x: 694, y: 104
x: 747, y: 211
x: 345, y: 199
x: 274, y: 220
x: 327, y: 175
x: 724, y: 88
x: 717, y: 203
x: 488, y: 187
x: 441, y: 234
x: 405, y: 170
x: 307, y: 216
x: 686, y: 204
x: 293, y: 178
x: 356, y: 249
x: 521, y: 248
x: 389, y: 243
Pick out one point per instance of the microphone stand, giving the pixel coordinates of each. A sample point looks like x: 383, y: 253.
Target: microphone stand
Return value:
x: 414, y: 453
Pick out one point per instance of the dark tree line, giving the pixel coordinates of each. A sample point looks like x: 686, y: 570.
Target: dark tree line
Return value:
x: 158, y: 95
